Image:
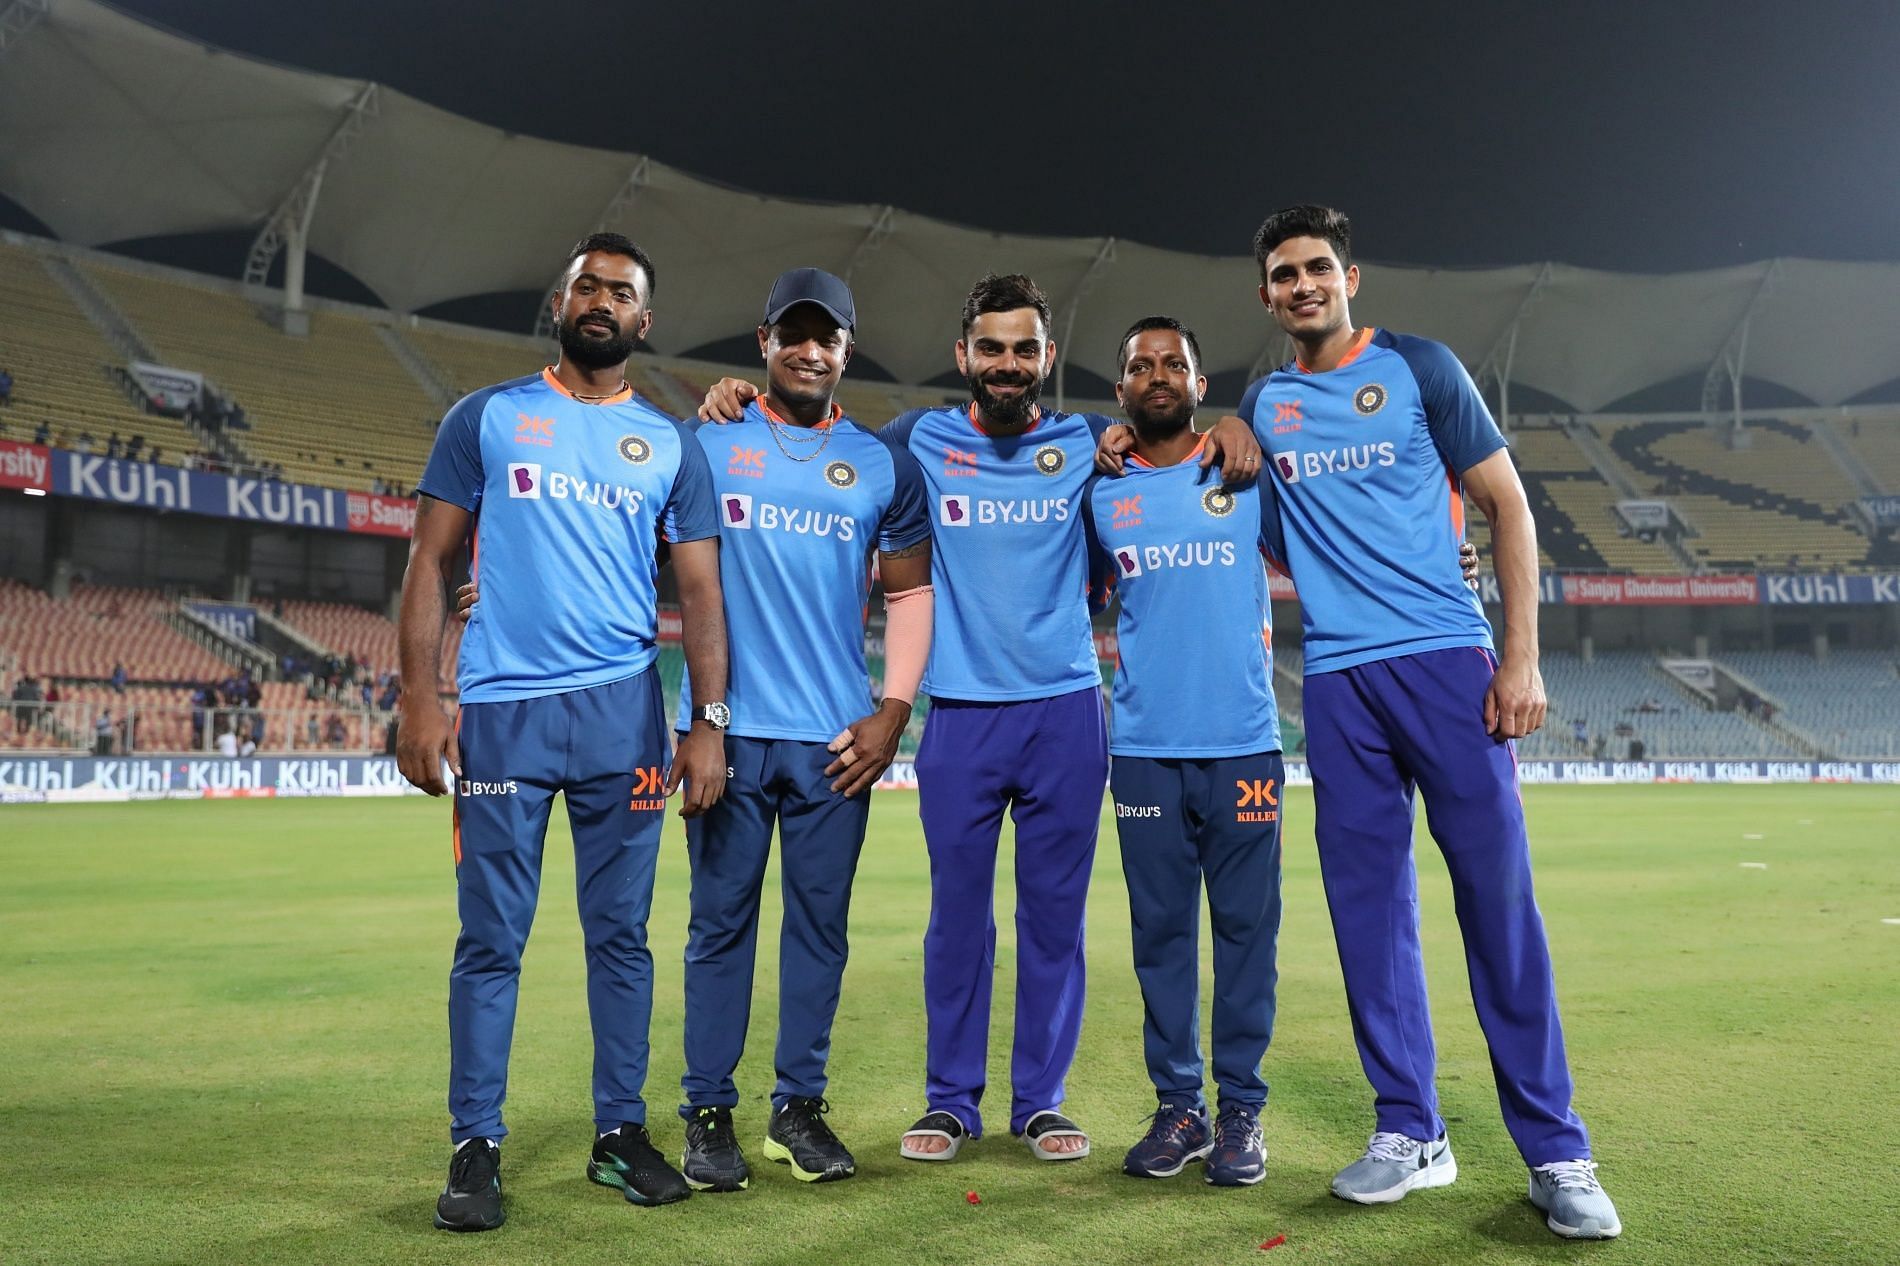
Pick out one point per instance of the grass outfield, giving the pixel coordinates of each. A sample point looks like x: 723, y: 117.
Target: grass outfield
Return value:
x: 223, y: 1040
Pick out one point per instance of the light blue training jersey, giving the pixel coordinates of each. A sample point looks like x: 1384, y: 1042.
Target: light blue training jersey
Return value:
x: 569, y: 500
x: 1009, y: 562
x: 1366, y: 461
x: 1194, y: 677
x: 795, y: 538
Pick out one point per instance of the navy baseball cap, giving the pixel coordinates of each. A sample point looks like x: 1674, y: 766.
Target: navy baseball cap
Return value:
x: 811, y: 285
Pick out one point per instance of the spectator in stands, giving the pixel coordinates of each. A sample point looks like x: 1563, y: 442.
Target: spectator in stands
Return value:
x: 115, y: 447
x: 189, y: 461
x: 84, y: 443
x: 43, y: 433
x: 247, y: 744
x: 128, y: 726
x: 201, y: 699
x: 1637, y: 750
x: 102, y: 733
x: 227, y: 740
x: 6, y: 388
x: 392, y: 693
x: 312, y: 734
x: 118, y: 678
x: 26, y: 698
x: 333, y: 732
x: 1598, y: 747
x: 133, y: 447
x: 1580, y: 731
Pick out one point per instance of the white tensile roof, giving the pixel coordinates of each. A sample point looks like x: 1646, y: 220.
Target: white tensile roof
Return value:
x: 112, y: 129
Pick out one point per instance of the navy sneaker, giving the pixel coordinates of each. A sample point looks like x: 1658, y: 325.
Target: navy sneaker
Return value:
x: 1176, y: 1137
x: 472, y: 1199
x: 1239, y: 1158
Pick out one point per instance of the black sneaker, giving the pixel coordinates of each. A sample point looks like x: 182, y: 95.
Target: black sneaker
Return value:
x: 1239, y: 1158
x: 472, y: 1200
x: 627, y: 1160
x: 712, y: 1160
x: 799, y: 1137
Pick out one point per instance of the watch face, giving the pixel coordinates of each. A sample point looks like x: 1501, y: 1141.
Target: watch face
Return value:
x: 717, y: 715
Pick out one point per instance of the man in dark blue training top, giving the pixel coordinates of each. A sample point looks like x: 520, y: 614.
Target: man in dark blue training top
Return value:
x: 561, y: 484
x: 1197, y: 770
x: 805, y: 495
x: 1015, y: 721
x: 1375, y: 439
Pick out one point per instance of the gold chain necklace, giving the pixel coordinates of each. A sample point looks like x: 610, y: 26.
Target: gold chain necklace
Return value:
x: 773, y: 425
x: 604, y: 396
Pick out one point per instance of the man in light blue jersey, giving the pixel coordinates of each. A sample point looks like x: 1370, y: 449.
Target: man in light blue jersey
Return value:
x: 1016, y: 720
x: 1197, y: 771
x: 560, y: 485
x: 805, y: 496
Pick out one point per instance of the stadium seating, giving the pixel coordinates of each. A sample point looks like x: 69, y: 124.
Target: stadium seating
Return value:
x: 58, y: 361
x: 1877, y: 446
x: 1777, y: 504
x: 334, y: 408
x: 1629, y: 689
x: 97, y: 629
x: 370, y: 636
x: 1849, y: 705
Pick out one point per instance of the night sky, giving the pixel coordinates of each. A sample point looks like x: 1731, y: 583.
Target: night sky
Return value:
x: 1629, y: 136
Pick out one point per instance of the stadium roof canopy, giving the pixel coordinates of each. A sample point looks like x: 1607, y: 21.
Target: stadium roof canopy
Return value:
x: 111, y: 129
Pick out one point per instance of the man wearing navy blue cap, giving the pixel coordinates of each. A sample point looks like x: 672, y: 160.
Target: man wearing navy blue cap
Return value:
x: 804, y: 494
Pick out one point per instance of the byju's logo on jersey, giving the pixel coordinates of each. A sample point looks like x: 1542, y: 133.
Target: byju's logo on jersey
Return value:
x: 1050, y: 460
x: 1312, y: 463
x: 1128, y: 561
x: 735, y: 509
x: 634, y: 449
x: 738, y: 510
x: 469, y: 787
x: 841, y: 474
x: 962, y: 511
x: 524, y: 480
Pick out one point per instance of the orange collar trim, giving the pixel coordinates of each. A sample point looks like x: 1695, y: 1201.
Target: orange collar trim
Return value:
x: 837, y: 412
x: 1192, y: 454
x: 1034, y: 422
x: 619, y: 397
x: 1360, y: 342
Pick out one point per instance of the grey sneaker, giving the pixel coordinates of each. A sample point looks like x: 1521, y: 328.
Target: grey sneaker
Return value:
x: 1573, y: 1201
x: 1393, y: 1165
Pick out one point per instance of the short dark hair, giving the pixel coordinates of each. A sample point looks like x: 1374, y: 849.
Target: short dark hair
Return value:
x: 1159, y: 323
x: 1306, y: 220
x: 1005, y: 293
x: 616, y: 244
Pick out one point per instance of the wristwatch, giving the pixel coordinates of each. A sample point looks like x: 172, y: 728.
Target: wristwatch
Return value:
x: 717, y: 715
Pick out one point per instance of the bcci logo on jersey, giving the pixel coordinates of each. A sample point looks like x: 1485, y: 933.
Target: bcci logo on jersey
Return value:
x: 635, y: 449
x: 841, y: 474
x: 1050, y: 459
x: 1218, y: 502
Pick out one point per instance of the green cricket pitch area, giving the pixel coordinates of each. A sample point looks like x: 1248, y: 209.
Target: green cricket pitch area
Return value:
x: 224, y: 1040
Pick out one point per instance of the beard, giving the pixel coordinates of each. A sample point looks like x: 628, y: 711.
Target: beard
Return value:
x: 591, y: 350
x: 1163, y: 423
x: 1006, y: 412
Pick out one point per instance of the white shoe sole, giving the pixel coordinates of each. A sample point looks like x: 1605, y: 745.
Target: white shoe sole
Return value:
x: 1588, y: 1231
x: 1440, y: 1175
x: 1187, y: 1160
